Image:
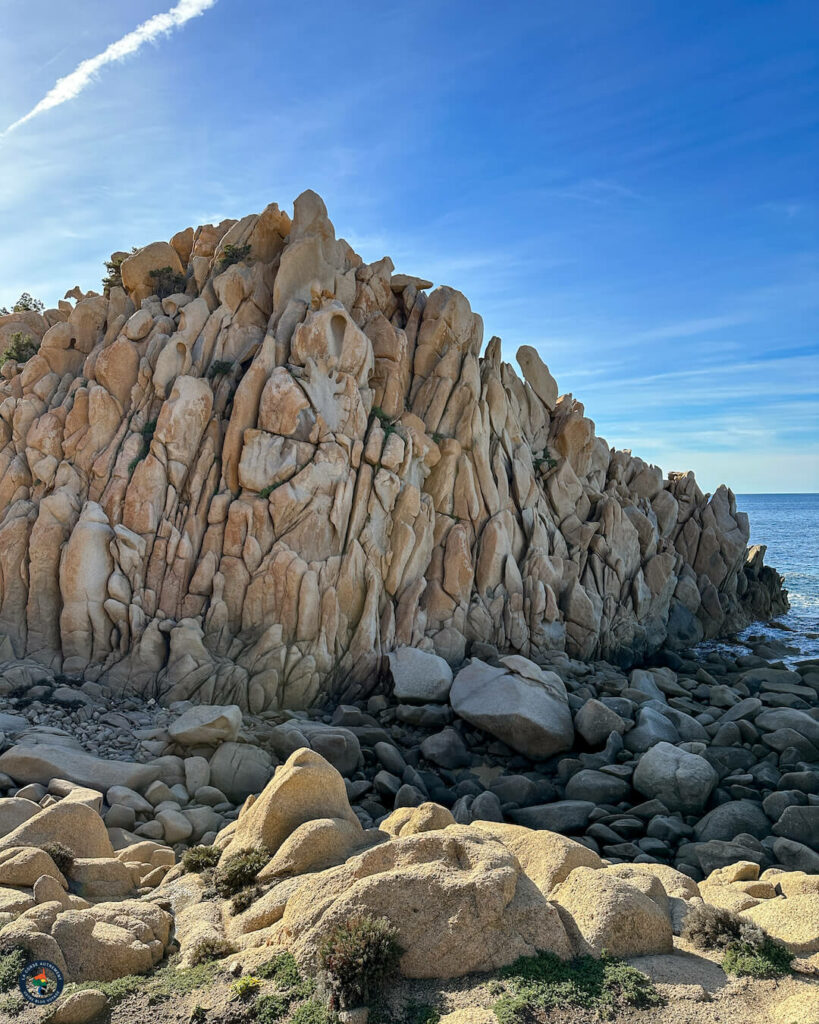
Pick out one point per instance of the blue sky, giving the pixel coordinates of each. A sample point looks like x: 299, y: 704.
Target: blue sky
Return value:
x: 629, y: 187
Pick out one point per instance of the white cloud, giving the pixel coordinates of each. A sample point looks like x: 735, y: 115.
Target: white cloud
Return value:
x: 71, y: 85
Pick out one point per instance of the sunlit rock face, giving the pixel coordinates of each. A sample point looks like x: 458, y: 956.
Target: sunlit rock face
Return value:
x: 251, y: 486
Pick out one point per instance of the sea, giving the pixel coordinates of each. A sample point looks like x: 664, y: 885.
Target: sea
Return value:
x: 788, y: 524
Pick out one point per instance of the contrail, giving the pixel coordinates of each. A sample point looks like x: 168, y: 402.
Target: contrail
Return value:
x: 73, y: 84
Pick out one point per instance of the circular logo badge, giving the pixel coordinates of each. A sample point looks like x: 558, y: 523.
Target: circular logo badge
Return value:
x: 41, y: 982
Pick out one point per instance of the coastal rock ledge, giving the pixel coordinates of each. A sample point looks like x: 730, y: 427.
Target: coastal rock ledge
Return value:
x: 257, y: 464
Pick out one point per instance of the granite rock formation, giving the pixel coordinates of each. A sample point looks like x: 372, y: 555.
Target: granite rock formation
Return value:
x: 259, y: 464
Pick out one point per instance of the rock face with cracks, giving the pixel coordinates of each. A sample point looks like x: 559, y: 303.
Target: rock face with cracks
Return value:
x: 249, y: 490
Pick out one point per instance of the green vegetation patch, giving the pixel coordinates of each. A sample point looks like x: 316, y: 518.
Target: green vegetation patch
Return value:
x: 233, y: 254
x: 166, y: 282
x: 164, y: 983
x: 20, y: 349
x: 239, y: 870
x: 219, y: 368
x: 358, y: 957
x: 62, y: 856
x: 769, y: 959
x: 11, y: 964
x: 545, y: 982
x: 199, y: 858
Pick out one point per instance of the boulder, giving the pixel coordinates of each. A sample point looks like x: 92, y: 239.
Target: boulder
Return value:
x: 305, y: 788
x: 24, y: 865
x: 800, y: 825
x: 42, y: 763
x: 546, y: 857
x: 599, y: 787
x: 732, y: 819
x: 419, y: 677
x: 206, y: 726
x: 595, y: 722
x: 136, y: 269
x: 681, y: 780
x: 337, y: 745
x: 14, y: 811
x: 74, y: 825
x: 409, y: 821
x: 524, y: 706
x: 111, y: 940
x: 613, y: 914
x: 458, y: 899
x: 239, y: 769
x: 794, y: 921
x: 79, y: 1007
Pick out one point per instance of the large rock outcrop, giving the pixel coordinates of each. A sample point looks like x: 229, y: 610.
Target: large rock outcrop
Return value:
x: 248, y: 489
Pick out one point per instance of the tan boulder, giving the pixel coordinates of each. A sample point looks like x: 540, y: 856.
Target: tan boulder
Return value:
x: 741, y: 871
x: 794, y: 921
x: 458, y: 899
x: 612, y: 914
x: 548, y: 858
x: 39, y: 945
x: 111, y: 940
x: 14, y: 811
x: 80, y: 1007
x: 78, y: 827
x: 304, y: 788
x: 136, y: 270
x: 316, y: 845
x: 22, y: 866
x: 101, y: 877
x: 409, y: 821
x: 727, y: 897
x: 793, y: 883
x: 537, y: 376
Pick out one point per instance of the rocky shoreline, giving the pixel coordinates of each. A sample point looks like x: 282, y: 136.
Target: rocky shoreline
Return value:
x: 694, y: 763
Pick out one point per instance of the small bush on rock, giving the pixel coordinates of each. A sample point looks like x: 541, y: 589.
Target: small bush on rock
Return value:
x: 545, y: 982
x: 246, y: 987
x: 312, y: 1012
x: 245, y: 898
x: 269, y: 1009
x: 358, y: 957
x: 62, y: 856
x: 233, y: 254
x: 238, y: 871
x: 11, y: 963
x: 769, y: 959
x: 20, y: 349
x: 166, y: 282
x: 208, y: 949
x: 708, y: 927
x: 199, y: 858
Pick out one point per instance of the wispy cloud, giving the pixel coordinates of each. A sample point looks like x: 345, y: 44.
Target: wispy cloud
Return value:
x: 71, y: 85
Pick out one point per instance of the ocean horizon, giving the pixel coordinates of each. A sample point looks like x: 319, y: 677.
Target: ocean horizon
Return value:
x: 788, y: 525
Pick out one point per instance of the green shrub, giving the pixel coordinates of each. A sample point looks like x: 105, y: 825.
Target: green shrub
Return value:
x: 147, y: 436
x: 25, y: 304
x: 233, y: 254
x: 245, y: 898
x: 312, y: 1012
x: 11, y: 1006
x: 708, y: 927
x: 219, y: 368
x: 11, y: 964
x: 21, y: 348
x: 60, y: 854
x: 113, y: 277
x: 545, y: 982
x: 282, y: 969
x: 269, y: 1009
x: 166, y: 282
x: 206, y: 950
x: 358, y: 957
x: 421, y: 1013
x: 246, y: 987
x: 769, y: 959
x: 199, y: 858
x: 238, y: 871
x: 198, y: 1015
